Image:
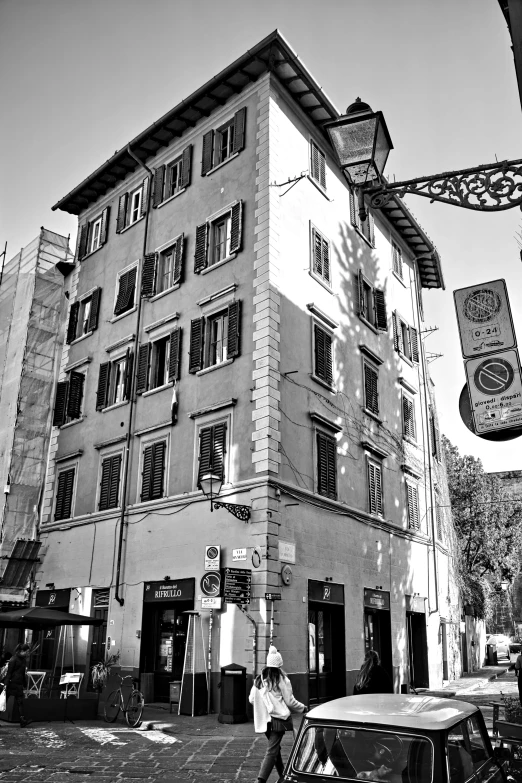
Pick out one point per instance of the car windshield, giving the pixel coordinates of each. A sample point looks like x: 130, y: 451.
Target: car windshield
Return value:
x: 364, y: 754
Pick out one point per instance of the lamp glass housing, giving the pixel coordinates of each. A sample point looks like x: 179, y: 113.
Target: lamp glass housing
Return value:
x: 211, y: 484
x: 362, y: 144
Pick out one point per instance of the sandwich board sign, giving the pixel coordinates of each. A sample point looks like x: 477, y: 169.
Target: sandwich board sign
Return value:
x: 495, y: 390
x: 484, y: 319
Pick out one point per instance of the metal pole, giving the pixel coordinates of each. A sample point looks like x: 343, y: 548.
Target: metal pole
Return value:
x: 209, y: 682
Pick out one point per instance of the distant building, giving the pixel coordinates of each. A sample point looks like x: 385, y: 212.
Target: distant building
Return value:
x: 32, y: 311
x: 509, y: 615
x: 231, y: 316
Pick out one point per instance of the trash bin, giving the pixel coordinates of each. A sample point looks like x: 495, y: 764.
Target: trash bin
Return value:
x: 174, y: 692
x: 491, y: 654
x: 233, y: 694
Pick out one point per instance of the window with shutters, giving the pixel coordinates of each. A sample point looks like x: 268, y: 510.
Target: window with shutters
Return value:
x: 83, y: 316
x: 65, y: 488
x: 365, y: 228
x: 172, y: 178
x: 372, y: 304
x: 397, y: 260
x: 114, y: 381
x: 125, y: 299
x: 405, y: 338
x: 153, y: 465
x: 163, y: 270
x: 110, y: 476
x: 69, y: 399
x: 93, y: 235
x: 375, y: 493
x: 408, y: 417
x: 371, y: 388
x: 326, y: 465
x: 323, y: 355
x: 212, y: 450
x: 412, y: 496
x: 317, y: 165
x: 439, y: 518
x: 320, y: 267
x: 435, y: 436
x: 132, y: 206
x: 159, y: 362
x: 219, y: 239
x: 215, y: 338
x: 223, y: 143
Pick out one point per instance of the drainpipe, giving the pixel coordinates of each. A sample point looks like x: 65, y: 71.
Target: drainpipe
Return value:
x: 254, y: 639
x: 132, y: 396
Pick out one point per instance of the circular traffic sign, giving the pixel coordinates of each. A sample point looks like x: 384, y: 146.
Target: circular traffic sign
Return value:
x: 212, y: 552
x: 493, y: 376
x: 482, y: 305
x: 211, y: 583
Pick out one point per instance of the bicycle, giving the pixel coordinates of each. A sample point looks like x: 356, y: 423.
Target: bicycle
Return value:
x: 132, y: 708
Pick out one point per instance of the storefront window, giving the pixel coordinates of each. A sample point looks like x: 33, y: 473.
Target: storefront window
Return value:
x: 165, y: 641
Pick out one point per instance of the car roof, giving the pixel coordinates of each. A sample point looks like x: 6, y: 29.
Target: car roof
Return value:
x: 410, y: 712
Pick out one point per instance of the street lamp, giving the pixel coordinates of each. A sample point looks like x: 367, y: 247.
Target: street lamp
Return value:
x: 211, y: 485
x: 362, y: 143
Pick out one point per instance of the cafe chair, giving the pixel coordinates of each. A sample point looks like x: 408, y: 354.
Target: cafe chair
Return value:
x: 72, y: 682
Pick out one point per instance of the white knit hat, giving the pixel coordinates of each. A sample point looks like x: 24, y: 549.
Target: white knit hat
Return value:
x: 274, y: 658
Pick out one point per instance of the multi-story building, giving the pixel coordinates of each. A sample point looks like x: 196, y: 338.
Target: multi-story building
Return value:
x: 32, y: 313
x: 231, y: 316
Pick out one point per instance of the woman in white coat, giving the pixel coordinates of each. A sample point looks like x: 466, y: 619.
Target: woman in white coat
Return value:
x: 273, y: 702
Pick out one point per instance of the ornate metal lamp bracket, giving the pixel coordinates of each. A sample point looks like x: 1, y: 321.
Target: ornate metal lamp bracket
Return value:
x: 491, y: 188
x: 241, y: 512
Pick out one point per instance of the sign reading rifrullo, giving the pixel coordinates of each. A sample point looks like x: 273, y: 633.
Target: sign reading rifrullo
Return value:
x: 495, y: 391
x: 484, y: 318
x: 175, y: 590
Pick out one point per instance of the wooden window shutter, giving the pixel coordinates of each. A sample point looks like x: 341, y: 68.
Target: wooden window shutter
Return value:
x: 60, y: 404
x: 414, y: 344
x: 317, y: 251
x: 197, y: 326
x: 148, y: 274
x: 178, y: 259
x: 129, y: 367
x: 121, y: 218
x: 121, y: 298
x: 236, y: 227
x: 144, y: 196
x: 157, y: 187
x: 375, y: 488
x: 239, y: 130
x: 408, y: 417
x: 200, y: 252
x: 234, y: 329
x: 75, y: 397
x: 64, y: 494
x: 186, y: 166
x: 95, y: 310
x: 371, y: 389
x: 73, y: 322
x: 110, y: 482
x: 326, y: 465
x: 362, y: 298
x: 208, y: 150
x: 146, y: 473
x: 397, y: 260
x: 326, y: 260
x: 397, y: 332
x: 323, y: 355
x: 142, y: 368
x: 413, y: 507
x: 103, y: 386
x: 353, y: 209
x: 175, y: 354
x: 104, y: 228
x: 158, y: 470
x: 105, y: 484
x: 82, y: 241
x: 381, y: 316
x: 205, y: 451
x: 439, y: 515
x: 217, y: 465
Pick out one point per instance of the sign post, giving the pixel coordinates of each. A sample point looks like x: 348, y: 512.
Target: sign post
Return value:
x: 495, y: 390
x: 237, y: 585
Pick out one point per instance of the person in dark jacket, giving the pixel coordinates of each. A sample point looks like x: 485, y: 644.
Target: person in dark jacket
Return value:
x: 372, y: 677
x: 16, y: 678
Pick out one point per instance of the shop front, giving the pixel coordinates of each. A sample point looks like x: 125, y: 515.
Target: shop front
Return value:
x: 377, y: 626
x: 326, y: 642
x: 164, y: 632
x: 417, y: 641
x: 48, y: 638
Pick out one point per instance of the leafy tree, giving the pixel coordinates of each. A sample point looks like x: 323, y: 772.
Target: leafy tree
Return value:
x: 488, y: 524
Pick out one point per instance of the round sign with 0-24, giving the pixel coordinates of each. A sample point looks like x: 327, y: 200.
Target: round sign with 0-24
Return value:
x: 211, y: 583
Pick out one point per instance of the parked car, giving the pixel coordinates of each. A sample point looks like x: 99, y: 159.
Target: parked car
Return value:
x: 395, y: 739
x: 515, y: 648
x: 502, y: 642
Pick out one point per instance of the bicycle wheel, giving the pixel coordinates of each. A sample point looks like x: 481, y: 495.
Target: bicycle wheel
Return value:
x: 112, y: 706
x: 134, y: 708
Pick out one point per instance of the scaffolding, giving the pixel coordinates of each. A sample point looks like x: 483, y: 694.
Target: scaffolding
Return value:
x: 32, y: 315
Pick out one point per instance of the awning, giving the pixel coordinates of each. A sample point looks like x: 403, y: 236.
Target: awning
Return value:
x: 42, y: 617
x: 20, y: 562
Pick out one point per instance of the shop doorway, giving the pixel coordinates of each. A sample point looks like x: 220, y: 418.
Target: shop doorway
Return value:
x: 377, y: 627
x: 45, y: 656
x: 417, y: 649
x: 100, y: 610
x: 326, y: 645
x: 164, y: 632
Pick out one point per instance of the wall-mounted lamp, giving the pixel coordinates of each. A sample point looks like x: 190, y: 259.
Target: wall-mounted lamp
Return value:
x: 211, y: 484
x: 50, y: 585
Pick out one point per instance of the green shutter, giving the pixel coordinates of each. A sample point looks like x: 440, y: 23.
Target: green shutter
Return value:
x: 73, y: 322
x: 200, y: 252
x: 146, y: 473
x: 208, y: 150
x: 381, y: 316
x: 186, y: 166
x: 104, y: 228
x: 121, y: 218
x: 234, y: 325
x: 143, y: 368
x: 178, y: 259
x: 64, y: 494
x: 148, y: 274
x: 75, y: 397
x: 103, y: 386
x: 174, y: 354
x: 82, y: 241
x: 239, y: 130
x: 236, y: 226
x: 414, y: 344
x: 197, y: 326
x: 95, y: 310
x: 60, y: 405
x: 157, y: 187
